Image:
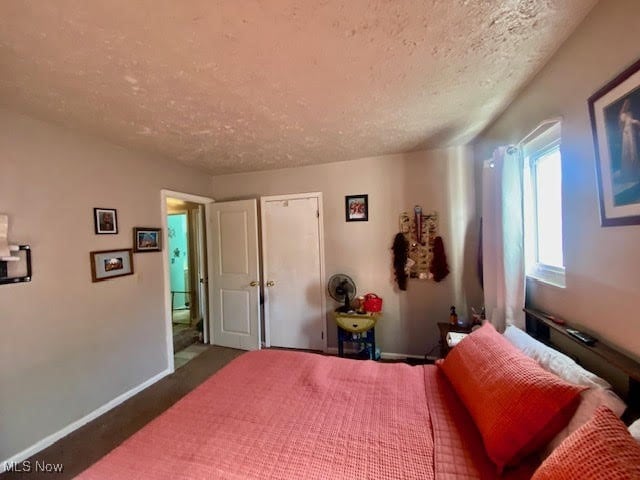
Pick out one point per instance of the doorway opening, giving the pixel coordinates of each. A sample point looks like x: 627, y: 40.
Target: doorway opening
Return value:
x: 185, y: 277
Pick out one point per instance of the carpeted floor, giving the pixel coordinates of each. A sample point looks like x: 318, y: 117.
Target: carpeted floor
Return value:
x: 91, y: 442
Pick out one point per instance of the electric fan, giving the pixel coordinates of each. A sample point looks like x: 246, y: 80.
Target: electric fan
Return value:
x: 342, y: 289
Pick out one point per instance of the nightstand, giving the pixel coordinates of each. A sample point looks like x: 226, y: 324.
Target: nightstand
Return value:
x: 357, y: 328
x: 445, y: 328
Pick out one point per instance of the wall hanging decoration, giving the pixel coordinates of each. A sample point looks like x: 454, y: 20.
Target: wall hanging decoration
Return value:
x: 400, y: 256
x: 356, y: 208
x: 16, y: 267
x: 615, y: 121
x: 438, y: 267
x: 420, y: 230
x: 105, y: 221
x: 146, y: 239
x: 108, y: 264
x: 15, y: 260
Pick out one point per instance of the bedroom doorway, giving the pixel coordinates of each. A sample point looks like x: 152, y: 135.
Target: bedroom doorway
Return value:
x: 185, y: 260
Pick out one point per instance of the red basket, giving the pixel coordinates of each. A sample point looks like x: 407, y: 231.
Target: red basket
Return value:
x: 372, y: 303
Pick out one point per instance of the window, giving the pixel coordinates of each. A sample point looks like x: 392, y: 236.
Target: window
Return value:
x: 544, y: 259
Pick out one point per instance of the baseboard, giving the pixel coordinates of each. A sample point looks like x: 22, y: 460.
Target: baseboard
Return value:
x: 54, y: 437
x: 383, y: 355
x: 398, y: 356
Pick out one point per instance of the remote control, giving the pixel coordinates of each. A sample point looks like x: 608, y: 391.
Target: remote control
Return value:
x: 583, y: 337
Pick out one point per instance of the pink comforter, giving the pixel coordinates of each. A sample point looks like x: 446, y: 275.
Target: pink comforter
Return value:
x: 288, y: 415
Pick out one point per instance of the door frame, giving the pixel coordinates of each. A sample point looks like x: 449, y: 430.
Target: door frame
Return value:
x: 263, y: 245
x: 187, y: 197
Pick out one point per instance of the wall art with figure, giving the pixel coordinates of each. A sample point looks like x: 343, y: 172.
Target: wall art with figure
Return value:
x: 615, y: 120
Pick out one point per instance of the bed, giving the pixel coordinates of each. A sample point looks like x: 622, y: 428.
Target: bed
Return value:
x: 275, y: 414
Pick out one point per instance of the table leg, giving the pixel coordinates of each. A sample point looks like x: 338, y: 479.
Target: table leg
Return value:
x: 373, y: 344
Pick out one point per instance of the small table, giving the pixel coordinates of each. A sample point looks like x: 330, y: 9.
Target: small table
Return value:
x: 360, y: 329
x: 445, y: 328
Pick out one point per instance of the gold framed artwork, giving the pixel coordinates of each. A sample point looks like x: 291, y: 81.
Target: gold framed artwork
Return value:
x: 108, y: 264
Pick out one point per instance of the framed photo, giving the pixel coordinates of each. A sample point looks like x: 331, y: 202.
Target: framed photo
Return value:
x: 147, y: 239
x: 356, y: 208
x: 615, y: 121
x: 108, y: 264
x: 105, y: 221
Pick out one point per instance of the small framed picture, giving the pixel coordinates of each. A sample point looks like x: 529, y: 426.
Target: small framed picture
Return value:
x: 356, y: 208
x: 147, y: 239
x: 105, y: 220
x: 108, y: 264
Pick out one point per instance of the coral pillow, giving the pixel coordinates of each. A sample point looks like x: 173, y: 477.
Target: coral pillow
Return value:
x: 600, y: 449
x: 517, y: 405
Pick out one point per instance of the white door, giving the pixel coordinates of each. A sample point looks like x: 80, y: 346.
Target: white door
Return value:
x: 234, y: 292
x: 293, y: 276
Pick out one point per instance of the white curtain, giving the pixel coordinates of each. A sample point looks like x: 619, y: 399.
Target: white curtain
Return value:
x: 503, y: 238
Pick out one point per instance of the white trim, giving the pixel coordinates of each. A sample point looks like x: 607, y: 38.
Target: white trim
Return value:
x: 537, y: 147
x: 263, y: 272
x: 548, y: 275
x: 549, y: 123
x: 323, y: 297
x: 54, y: 437
x: 383, y: 355
x: 164, y: 194
x: 187, y: 197
x: 203, y: 286
x: 323, y: 300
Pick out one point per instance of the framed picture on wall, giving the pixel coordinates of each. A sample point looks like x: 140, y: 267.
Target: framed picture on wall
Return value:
x: 105, y: 221
x: 357, y: 208
x: 615, y: 122
x: 147, y: 239
x: 108, y: 264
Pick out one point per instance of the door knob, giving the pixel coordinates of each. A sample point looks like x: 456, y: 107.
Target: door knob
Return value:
x: 270, y: 283
x: 254, y: 284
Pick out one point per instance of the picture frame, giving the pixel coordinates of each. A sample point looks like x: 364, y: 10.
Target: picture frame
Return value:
x: 19, y: 269
x: 108, y: 264
x: 147, y: 239
x: 615, y: 124
x: 356, y: 208
x: 105, y: 221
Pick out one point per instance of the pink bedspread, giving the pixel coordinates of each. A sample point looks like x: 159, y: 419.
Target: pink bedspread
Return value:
x: 288, y: 415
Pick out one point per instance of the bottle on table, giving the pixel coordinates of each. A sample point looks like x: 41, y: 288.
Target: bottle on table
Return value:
x: 453, y: 316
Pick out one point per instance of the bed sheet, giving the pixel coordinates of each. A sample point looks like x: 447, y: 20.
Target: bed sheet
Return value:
x: 276, y: 414
x: 287, y: 415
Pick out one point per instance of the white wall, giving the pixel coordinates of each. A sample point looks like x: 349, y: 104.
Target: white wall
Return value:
x: 67, y: 345
x: 602, y: 264
x: 439, y: 180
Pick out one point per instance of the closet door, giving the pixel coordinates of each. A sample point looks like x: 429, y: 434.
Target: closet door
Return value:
x: 293, y: 271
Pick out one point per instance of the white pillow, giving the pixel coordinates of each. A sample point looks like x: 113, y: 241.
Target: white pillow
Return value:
x: 634, y: 430
x: 590, y: 400
x: 552, y: 360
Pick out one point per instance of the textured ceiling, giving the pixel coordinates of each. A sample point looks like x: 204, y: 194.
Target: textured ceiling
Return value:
x: 243, y: 85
